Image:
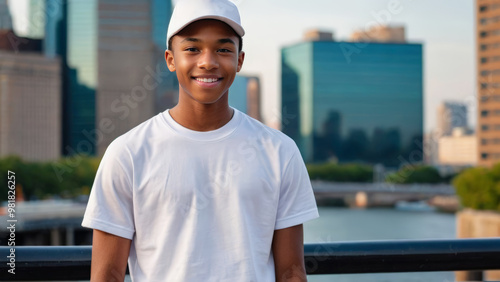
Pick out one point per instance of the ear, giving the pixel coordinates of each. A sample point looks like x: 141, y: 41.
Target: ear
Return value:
x: 241, y: 58
x: 169, y: 59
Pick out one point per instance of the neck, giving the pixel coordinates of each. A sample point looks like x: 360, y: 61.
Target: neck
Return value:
x: 202, y: 117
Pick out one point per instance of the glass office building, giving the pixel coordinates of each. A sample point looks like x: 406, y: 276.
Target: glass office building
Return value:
x: 244, y: 95
x: 5, y: 17
x: 238, y: 93
x: 354, y: 102
x: 71, y: 34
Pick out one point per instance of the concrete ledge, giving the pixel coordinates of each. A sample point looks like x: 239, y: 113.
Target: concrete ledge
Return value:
x: 478, y: 224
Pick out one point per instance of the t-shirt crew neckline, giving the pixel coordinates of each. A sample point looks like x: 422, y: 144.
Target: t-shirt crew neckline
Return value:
x: 212, y: 135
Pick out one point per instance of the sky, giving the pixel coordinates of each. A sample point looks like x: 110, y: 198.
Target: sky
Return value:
x: 445, y: 28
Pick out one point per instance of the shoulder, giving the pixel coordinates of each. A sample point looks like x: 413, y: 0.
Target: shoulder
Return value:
x: 153, y: 125
x: 136, y: 137
x: 253, y: 124
x: 269, y: 137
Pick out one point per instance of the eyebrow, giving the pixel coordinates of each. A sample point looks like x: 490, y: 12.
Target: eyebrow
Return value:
x: 190, y: 39
x: 221, y: 41
x: 227, y: 40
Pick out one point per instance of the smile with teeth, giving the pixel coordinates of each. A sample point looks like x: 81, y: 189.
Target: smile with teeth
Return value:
x: 201, y: 79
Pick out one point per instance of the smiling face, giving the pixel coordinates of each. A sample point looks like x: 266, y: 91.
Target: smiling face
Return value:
x: 205, y: 57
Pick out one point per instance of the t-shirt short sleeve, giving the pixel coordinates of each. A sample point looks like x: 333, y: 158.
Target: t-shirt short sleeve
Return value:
x: 110, y: 206
x: 296, y: 201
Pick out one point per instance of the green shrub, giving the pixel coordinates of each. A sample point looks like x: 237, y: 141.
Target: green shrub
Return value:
x: 67, y: 177
x: 479, y: 188
x: 340, y: 173
x: 415, y: 174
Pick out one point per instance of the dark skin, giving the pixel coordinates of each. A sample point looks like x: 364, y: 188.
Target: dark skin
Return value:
x: 109, y: 257
x: 288, y: 252
x: 204, y: 49
x: 206, y: 59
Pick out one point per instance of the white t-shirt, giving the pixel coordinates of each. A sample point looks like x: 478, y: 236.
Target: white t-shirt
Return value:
x: 200, y: 206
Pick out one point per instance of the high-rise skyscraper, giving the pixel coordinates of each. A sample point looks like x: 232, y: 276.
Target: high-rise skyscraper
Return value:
x: 354, y: 101
x: 488, y: 70
x: 114, y: 74
x: 131, y: 66
x: 253, y: 98
x: 30, y: 97
x: 5, y: 18
x: 71, y: 34
x: 451, y: 115
x: 81, y: 75
x: 244, y: 95
x: 36, y: 19
x: 30, y: 106
x: 238, y: 93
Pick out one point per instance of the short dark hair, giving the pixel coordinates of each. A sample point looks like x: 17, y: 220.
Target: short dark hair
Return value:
x: 240, y: 41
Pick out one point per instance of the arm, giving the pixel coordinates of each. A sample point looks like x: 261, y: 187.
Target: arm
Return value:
x: 288, y: 253
x: 109, y: 257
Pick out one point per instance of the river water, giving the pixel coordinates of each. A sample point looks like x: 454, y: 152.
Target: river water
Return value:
x: 344, y: 224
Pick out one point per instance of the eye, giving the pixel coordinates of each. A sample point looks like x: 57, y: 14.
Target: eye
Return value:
x: 224, y: 50
x: 191, y: 49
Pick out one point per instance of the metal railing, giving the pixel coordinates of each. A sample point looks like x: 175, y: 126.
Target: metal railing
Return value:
x: 42, y: 263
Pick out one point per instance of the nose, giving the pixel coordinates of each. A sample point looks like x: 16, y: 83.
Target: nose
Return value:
x: 208, y: 61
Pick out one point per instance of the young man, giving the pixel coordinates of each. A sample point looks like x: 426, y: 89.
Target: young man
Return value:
x: 201, y: 192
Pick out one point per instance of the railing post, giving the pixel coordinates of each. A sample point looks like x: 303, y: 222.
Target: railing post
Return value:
x: 70, y: 236
x: 55, y: 237
x: 468, y: 276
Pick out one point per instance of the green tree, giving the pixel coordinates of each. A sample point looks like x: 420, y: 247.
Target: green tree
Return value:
x: 10, y: 163
x: 76, y: 174
x: 479, y: 188
x: 67, y: 177
x: 415, y: 174
x: 340, y: 173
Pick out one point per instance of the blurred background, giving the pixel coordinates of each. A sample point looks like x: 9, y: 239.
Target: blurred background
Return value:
x: 394, y: 104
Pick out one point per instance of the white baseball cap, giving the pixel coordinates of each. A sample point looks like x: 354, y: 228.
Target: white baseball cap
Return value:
x: 189, y: 11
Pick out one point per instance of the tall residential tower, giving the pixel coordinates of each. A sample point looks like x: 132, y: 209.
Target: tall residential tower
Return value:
x: 488, y: 73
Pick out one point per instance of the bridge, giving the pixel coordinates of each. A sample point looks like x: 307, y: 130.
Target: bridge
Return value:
x: 383, y: 194
x: 59, y: 222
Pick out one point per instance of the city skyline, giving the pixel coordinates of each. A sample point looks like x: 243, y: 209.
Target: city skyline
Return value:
x: 448, y: 41
x: 447, y: 38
